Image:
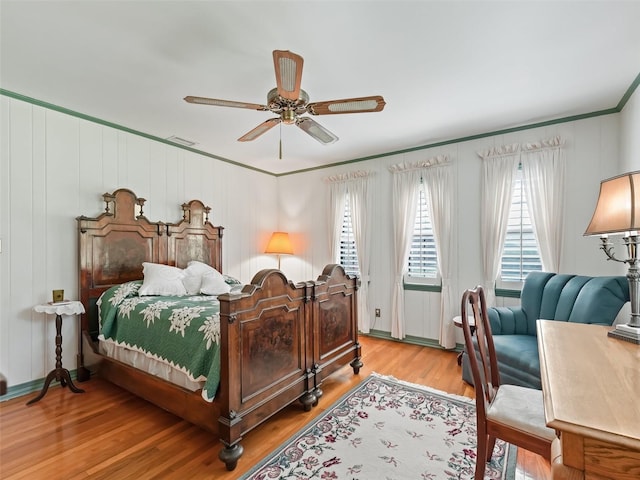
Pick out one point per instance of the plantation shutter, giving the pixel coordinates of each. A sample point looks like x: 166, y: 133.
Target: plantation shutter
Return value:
x: 348, y: 251
x: 422, y: 254
x: 520, y: 255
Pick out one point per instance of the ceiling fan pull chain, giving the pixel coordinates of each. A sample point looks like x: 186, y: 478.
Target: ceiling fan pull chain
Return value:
x: 280, y: 155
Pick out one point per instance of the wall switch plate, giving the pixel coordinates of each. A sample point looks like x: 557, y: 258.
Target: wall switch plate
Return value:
x: 377, y: 312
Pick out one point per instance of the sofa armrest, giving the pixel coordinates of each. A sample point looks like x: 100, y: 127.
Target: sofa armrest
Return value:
x: 507, y: 321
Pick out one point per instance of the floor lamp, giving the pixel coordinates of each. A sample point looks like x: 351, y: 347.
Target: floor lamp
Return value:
x: 279, y: 244
x: 618, y: 212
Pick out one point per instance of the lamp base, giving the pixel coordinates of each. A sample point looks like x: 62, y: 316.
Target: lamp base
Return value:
x: 627, y: 333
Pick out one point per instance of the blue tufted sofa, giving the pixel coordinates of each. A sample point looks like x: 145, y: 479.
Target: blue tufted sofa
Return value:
x: 548, y: 296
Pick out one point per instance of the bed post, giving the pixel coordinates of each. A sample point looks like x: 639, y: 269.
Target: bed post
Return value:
x: 230, y: 422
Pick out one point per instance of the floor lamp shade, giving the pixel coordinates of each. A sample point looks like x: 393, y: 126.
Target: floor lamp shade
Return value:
x: 279, y: 244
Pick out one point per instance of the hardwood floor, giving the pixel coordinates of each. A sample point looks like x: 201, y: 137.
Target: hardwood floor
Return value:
x: 108, y: 433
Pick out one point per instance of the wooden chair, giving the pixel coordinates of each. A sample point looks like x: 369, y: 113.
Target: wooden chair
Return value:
x: 512, y: 413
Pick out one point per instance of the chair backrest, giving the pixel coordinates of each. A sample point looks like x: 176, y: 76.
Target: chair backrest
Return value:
x: 484, y: 365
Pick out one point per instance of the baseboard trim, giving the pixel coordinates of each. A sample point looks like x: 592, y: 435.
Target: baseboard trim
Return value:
x: 411, y: 339
x: 31, y: 387
x: 34, y: 386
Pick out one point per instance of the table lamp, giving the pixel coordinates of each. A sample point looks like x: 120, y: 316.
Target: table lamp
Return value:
x: 279, y: 244
x: 618, y: 212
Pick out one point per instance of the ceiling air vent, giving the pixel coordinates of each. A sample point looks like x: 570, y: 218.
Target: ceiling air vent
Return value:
x: 181, y: 141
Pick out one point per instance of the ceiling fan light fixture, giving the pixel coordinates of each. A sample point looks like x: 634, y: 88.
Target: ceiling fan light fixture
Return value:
x: 288, y: 117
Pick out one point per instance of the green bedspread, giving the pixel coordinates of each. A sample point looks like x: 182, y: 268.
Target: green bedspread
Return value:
x: 183, y: 332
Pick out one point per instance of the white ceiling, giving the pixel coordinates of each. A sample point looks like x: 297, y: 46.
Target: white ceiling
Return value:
x: 447, y: 69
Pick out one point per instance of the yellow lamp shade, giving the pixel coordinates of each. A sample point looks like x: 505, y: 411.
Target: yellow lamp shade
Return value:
x: 279, y: 244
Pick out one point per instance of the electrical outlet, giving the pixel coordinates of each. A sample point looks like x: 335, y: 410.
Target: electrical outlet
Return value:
x: 377, y: 312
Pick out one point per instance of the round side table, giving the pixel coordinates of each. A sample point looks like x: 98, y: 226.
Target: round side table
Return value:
x: 457, y: 321
x: 60, y: 374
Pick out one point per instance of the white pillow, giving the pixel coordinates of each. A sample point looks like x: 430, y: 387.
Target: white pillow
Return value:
x: 162, y: 280
x: 192, y: 284
x: 198, y: 268
x: 193, y: 276
x: 214, y: 284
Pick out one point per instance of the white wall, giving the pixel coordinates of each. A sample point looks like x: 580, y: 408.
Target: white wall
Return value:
x: 591, y: 152
x: 55, y: 167
x: 630, y: 134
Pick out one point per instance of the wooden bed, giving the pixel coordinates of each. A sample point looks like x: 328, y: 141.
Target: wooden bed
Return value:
x: 278, y: 340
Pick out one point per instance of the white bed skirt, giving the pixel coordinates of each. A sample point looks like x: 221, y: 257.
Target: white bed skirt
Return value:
x: 149, y: 365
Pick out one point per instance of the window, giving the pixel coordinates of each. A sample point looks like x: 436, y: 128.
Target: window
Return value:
x: 520, y: 254
x: 348, y: 252
x: 423, y: 259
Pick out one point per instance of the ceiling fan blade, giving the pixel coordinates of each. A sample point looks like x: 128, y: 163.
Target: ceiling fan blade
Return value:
x: 316, y: 130
x: 224, y: 103
x: 348, y: 105
x: 259, y: 130
x: 288, y: 66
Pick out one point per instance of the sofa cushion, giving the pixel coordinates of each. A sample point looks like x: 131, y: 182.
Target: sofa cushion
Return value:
x: 600, y: 300
x: 518, y: 361
x: 559, y: 297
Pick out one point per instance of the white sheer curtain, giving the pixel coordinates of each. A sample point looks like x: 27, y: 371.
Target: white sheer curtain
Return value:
x: 499, y: 167
x: 337, y: 200
x: 438, y: 184
x: 357, y: 186
x: 406, y: 191
x: 359, y: 191
x: 437, y: 179
x: 543, y: 168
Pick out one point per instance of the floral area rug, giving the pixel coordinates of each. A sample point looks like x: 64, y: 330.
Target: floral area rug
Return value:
x: 388, y: 429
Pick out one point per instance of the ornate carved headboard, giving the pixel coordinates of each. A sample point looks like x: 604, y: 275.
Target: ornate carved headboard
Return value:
x: 113, y: 246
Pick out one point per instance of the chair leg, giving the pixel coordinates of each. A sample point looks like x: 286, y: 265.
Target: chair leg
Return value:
x: 490, y: 446
x: 481, y: 457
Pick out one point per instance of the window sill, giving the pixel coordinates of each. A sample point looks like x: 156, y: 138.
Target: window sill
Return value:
x: 422, y: 287
x: 507, y: 293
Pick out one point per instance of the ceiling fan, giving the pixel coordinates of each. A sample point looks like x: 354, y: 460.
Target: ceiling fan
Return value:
x: 290, y: 102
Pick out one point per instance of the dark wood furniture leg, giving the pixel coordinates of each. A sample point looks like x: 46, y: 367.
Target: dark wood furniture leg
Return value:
x: 459, y: 357
x: 60, y: 374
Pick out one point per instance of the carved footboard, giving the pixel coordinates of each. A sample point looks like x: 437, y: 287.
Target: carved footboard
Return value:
x: 334, y: 324
x: 279, y: 341
x: 263, y: 355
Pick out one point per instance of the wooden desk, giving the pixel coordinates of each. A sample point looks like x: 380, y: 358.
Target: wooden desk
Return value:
x: 591, y: 387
